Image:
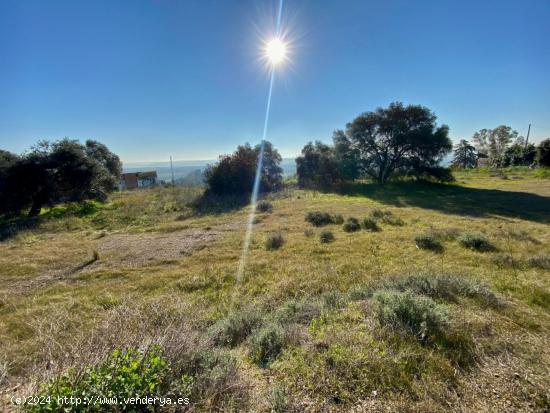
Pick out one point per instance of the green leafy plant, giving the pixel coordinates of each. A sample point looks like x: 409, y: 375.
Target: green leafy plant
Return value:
x: 126, y: 373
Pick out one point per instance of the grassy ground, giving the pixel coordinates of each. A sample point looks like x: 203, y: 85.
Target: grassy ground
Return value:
x: 367, y: 321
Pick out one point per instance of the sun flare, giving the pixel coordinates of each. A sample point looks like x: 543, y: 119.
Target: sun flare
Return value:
x: 275, y: 51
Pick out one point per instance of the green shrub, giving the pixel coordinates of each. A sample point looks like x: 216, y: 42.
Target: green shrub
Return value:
x: 318, y: 218
x: 236, y: 327
x: 266, y: 344
x: 264, y: 206
x: 297, y: 311
x: 274, y: 241
x: 442, y: 286
x: 370, y: 224
x: 428, y: 242
x: 278, y: 400
x: 406, y: 311
x: 361, y: 292
x: 126, y: 373
x: 326, y: 237
x: 351, y: 225
x: 333, y: 299
x: 540, y: 261
x: 476, y: 242
x: 338, y: 219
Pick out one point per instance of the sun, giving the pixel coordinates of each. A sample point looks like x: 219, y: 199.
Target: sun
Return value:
x: 275, y: 51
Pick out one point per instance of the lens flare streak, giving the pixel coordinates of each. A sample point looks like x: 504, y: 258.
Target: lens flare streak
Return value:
x: 257, y: 178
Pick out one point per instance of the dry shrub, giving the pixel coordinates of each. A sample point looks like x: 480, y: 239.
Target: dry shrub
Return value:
x: 274, y: 241
x: 428, y: 242
x: 351, y: 225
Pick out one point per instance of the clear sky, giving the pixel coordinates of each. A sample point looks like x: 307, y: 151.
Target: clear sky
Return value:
x: 153, y: 78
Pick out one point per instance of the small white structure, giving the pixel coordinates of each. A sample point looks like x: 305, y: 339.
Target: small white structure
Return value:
x: 133, y: 180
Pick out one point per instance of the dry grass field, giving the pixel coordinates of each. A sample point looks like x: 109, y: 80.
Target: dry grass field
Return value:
x: 442, y: 306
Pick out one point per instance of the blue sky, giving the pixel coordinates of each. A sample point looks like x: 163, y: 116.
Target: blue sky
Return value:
x: 153, y: 78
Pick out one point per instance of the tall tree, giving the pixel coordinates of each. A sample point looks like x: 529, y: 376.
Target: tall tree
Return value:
x: 464, y: 155
x: 399, y: 138
x: 318, y: 166
x: 346, y: 156
x: 492, y: 143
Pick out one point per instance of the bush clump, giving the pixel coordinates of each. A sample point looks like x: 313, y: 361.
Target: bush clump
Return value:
x: 124, y: 374
x: 443, y: 286
x: 318, y: 218
x: 540, y: 261
x: 236, y: 327
x: 326, y: 237
x: 274, y: 241
x: 428, y: 242
x: 391, y: 220
x: 297, y: 311
x: 406, y: 311
x: 370, y: 224
x: 351, y: 225
x: 476, y: 242
x: 266, y: 344
x: 264, y: 206
x: 379, y: 213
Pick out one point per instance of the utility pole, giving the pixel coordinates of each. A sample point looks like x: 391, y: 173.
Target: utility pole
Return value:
x: 172, y: 170
x: 527, y: 139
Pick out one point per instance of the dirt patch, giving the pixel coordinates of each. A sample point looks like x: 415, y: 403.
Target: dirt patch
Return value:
x: 137, y: 250
x: 130, y: 251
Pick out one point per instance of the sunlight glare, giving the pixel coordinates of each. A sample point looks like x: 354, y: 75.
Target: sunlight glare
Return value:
x: 275, y: 51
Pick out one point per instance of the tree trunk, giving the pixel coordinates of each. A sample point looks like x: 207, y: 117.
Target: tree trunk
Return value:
x: 35, y: 208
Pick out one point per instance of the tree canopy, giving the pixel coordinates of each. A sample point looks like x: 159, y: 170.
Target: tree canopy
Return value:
x: 399, y: 139
x: 235, y: 173
x: 492, y: 143
x: 464, y: 155
x: 51, y: 173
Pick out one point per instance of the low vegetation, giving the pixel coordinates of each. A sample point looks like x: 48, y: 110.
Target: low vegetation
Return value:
x: 367, y: 322
x: 264, y: 206
x: 351, y: 225
x: 428, y: 242
x: 319, y: 219
x: 326, y: 236
x: 477, y: 242
x: 274, y: 241
x: 370, y: 224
